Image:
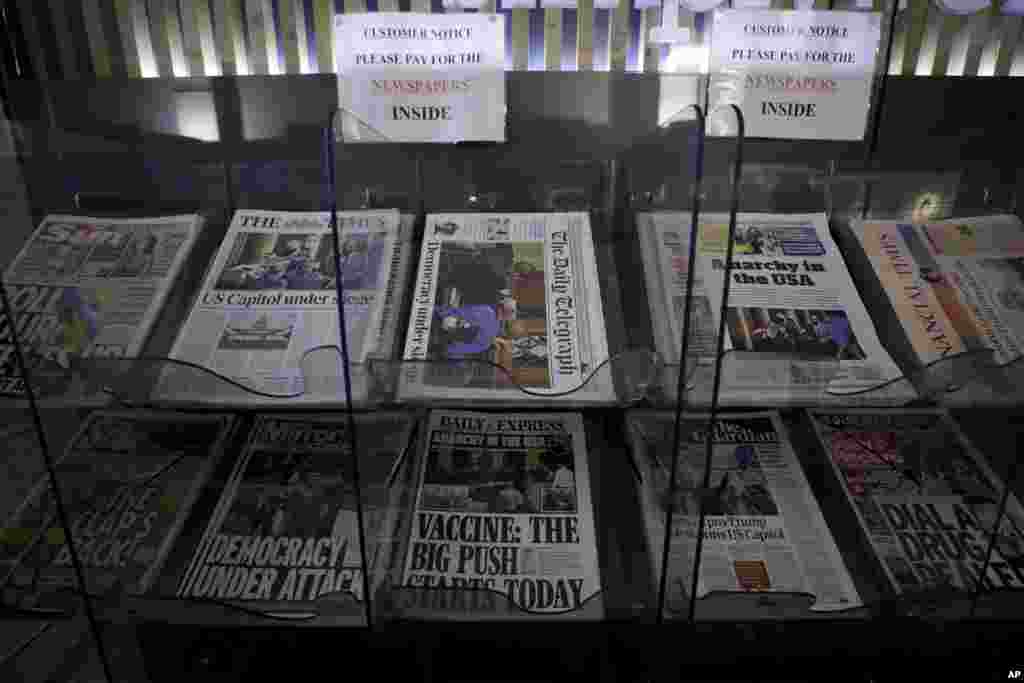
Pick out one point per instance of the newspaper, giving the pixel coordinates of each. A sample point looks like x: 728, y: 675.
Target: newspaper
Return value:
x: 925, y: 498
x: 128, y: 480
x: 85, y: 288
x: 956, y: 286
x: 506, y: 308
x: 286, y: 529
x: 796, y: 329
x: 763, y: 529
x: 503, y: 511
x: 267, y: 315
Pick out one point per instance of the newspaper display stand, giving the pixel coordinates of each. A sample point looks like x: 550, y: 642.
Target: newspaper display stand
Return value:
x: 212, y: 147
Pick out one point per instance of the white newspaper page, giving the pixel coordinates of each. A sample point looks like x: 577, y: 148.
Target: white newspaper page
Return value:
x: 983, y: 260
x: 85, y: 288
x: 267, y: 316
x: 763, y: 529
x: 504, y: 507
x: 927, y: 500
x: 507, y: 307
x: 796, y: 328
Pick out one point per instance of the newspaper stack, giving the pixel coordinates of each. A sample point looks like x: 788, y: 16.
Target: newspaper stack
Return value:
x: 928, y: 502
x: 87, y: 288
x: 796, y: 330
x: 128, y: 481
x: 956, y: 290
x: 763, y: 530
x: 503, y: 522
x: 507, y: 308
x: 267, y: 317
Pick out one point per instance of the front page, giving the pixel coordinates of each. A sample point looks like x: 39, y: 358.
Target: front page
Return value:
x: 506, y: 308
x: 925, y: 498
x: 267, y: 315
x: 128, y: 480
x: 88, y: 288
x: 956, y: 285
x: 504, y: 510
x: 763, y: 529
x: 796, y: 329
x: 286, y: 529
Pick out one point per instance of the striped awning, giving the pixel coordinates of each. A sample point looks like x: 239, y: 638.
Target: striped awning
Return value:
x: 70, y: 39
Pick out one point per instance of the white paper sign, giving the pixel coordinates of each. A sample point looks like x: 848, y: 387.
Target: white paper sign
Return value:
x: 794, y: 74
x: 407, y: 77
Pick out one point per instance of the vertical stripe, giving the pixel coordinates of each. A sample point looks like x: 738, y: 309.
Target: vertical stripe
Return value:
x: 619, y: 44
x: 552, y: 38
x: 959, y: 47
x: 602, y: 39
x: 1017, y: 65
x: 634, y: 50
x: 324, y: 19
x: 952, y: 25
x: 62, y: 33
x: 175, y: 40
x: 123, y: 11
x: 112, y: 31
x: 917, y: 19
x: 229, y: 37
x: 158, y: 35
x: 651, y: 51
x: 371, y: 5
x: 355, y: 6
x: 73, y: 14
x: 488, y: 7
x: 30, y: 30
x: 143, y: 39
x: 899, y: 40
x: 536, y: 39
x: 303, y: 31
x: 272, y: 27
x: 289, y: 35
x: 207, y: 45
x: 257, y: 37
x: 585, y: 35
x: 981, y: 29
x: 422, y: 6
x: 1010, y: 39
x: 520, y: 39
x: 97, y: 39
x: 190, y: 37
x: 387, y: 5
x: 570, y: 26
x: 929, y: 43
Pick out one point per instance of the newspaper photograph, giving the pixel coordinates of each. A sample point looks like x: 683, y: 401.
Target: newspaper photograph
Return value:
x: 286, y: 529
x: 84, y: 288
x: 763, y: 530
x: 267, y: 315
x: 796, y: 329
x: 505, y: 308
x: 926, y: 499
x: 503, y: 506
x: 956, y: 285
x: 128, y: 481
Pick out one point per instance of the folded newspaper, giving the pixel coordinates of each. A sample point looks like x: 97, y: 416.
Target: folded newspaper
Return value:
x: 267, y: 316
x: 87, y: 288
x: 763, y: 530
x: 506, y: 307
x: 957, y: 290
x: 285, y: 534
x: 128, y: 480
x: 796, y: 329
x: 927, y: 501
x: 502, y: 524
